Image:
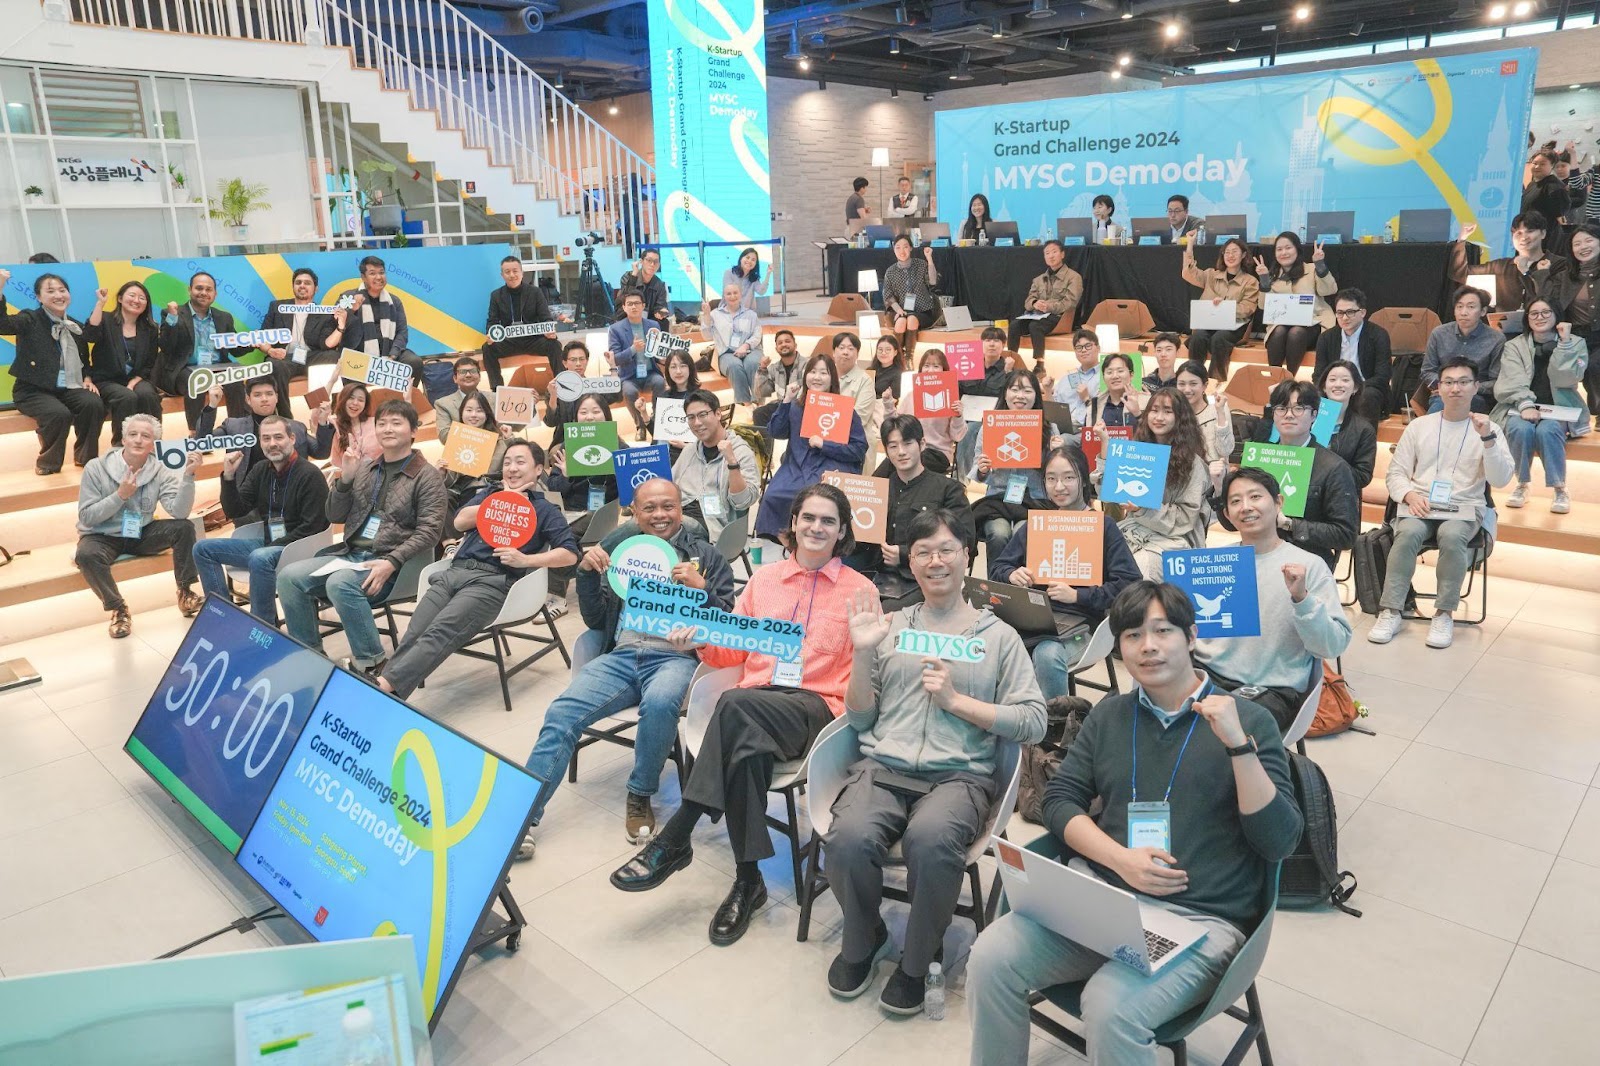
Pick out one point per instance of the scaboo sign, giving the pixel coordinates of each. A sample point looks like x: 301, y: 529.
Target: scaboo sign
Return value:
x: 1445, y: 132
x: 442, y: 289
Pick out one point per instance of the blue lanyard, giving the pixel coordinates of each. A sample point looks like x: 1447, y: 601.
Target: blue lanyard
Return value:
x: 1135, y: 745
x: 816, y: 575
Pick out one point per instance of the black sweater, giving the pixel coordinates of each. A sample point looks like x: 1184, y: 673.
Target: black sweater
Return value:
x: 38, y: 358
x: 300, y: 496
x: 116, y: 359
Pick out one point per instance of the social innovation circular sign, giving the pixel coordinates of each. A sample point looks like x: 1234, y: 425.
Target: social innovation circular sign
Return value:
x: 640, y: 556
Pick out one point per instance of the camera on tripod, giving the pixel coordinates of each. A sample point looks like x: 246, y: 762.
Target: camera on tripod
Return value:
x: 592, y: 239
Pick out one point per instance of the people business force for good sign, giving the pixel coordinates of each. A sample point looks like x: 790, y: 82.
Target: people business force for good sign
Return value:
x: 1444, y: 132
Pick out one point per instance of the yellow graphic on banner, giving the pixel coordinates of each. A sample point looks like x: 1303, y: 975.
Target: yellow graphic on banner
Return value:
x: 437, y: 839
x: 454, y: 334
x: 1407, y: 148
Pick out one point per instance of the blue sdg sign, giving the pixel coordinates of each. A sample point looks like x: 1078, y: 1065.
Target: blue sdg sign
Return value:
x: 1221, y: 582
x: 635, y: 466
x: 1136, y: 473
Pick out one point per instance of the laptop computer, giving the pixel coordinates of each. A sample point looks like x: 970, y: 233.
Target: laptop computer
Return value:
x: 876, y: 233
x: 1425, y: 225
x: 999, y: 231
x: 1025, y: 610
x: 1060, y: 416
x: 1220, y: 227
x: 1087, y: 911
x: 1075, y: 230
x: 1321, y: 225
x: 1157, y: 227
x: 956, y: 316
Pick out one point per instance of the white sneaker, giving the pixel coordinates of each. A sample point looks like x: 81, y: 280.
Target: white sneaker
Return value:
x: 1519, y: 495
x: 525, y: 849
x: 1384, y: 629
x: 1562, y: 503
x: 1441, y: 631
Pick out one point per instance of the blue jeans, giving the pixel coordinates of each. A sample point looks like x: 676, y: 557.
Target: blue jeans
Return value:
x: 210, y: 556
x: 741, y: 373
x: 1121, y: 1007
x: 632, y: 386
x: 1547, y: 438
x: 299, y: 592
x: 1050, y: 667
x: 654, y: 681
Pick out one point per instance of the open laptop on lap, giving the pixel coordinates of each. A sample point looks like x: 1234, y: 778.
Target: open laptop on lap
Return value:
x: 1027, y: 610
x: 1087, y: 911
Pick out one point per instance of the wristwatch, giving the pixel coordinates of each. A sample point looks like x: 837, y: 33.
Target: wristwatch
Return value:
x: 1247, y: 748
x: 1486, y: 437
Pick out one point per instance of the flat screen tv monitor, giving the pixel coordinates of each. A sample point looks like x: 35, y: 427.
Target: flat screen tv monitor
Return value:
x: 1075, y: 230
x: 1000, y: 231
x: 384, y: 821
x: 228, y: 711
x: 1323, y: 224
x: 1220, y: 227
x: 1425, y: 226
x: 1152, y: 226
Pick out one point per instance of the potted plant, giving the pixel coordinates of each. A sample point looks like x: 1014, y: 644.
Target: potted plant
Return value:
x: 375, y: 178
x: 178, y: 180
x: 33, y: 193
x: 236, y: 198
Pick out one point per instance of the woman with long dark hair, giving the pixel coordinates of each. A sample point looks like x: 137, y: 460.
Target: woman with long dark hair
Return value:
x: 1180, y: 521
x: 682, y: 380
x: 940, y: 434
x: 908, y: 293
x: 1579, y: 302
x: 978, y: 218
x: 1078, y: 608
x: 353, y: 428
x: 1355, y: 440
x: 1005, y: 502
x: 1213, y: 417
x: 1287, y: 345
x: 746, y: 274
x: 1233, y: 278
x: 806, y: 459
x: 1541, y: 368
x: 122, y: 364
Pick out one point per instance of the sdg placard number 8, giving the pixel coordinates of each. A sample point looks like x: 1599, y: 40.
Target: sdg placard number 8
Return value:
x: 260, y: 691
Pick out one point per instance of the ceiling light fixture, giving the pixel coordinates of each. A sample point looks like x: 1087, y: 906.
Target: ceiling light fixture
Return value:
x: 995, y: 29
x: 804, y: 64
x: 561, y: 79
x: 1233, y: 45
x: 1522, y: 9
x: 894, y: 92
x: 1125, y: 10
x: 1497, y: 12
x: 1171, y: 30
x: 1064, y: 44
x: 894, y: 46
x: 900, y: 16
x: 1116, y: 73
x: 794, y: 52
x: 1124, y: 59
x: 962, y: 73
x: 1040, y: 10
x: 1302, y: 12
x: 1355, y: 31
x: 822, y: 84
x: 612, y: 108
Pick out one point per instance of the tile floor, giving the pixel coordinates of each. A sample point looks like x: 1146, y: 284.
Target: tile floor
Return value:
x: 1472, y: 821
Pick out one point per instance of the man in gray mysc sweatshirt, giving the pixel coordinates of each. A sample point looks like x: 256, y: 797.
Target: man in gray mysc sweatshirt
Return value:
x: 930, y: 731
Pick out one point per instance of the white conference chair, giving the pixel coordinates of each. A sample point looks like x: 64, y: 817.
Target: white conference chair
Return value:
x: 733, y: 544
x: 788, y: 775
x: 248, y: 531
x: 616, y: 728
x: 1098, y: 650
x: 525, y: 602
x: 836, y: 750
x: 1296, y: 733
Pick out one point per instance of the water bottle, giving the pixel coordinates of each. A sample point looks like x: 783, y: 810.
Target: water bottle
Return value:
x: 1200, y: 235
x: 933, y: 993
x: 362, y: 1046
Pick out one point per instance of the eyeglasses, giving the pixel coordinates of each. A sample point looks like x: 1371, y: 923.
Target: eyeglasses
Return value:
x: 923, y: 556
x: 1085, y: 347
x: 1297, y: 410
x: 1348, y: 312
x: 1542, y: 314
x: 1062, y: 482
x: 699, y: 416
x: 1457, y: 383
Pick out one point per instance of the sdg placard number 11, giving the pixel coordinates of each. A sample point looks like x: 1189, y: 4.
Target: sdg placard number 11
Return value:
x: 222, y: 723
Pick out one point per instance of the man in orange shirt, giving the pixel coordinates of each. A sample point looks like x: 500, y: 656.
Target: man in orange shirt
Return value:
x: 774, y: 713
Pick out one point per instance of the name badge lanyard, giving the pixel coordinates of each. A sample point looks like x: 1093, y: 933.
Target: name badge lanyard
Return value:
x: 1438, y: 457
x: 790, y: 674
x: 1170, y: 781
x: 279, y: 480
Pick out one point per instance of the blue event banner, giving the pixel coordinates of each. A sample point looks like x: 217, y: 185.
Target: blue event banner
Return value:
x: 383, y: 822
x: 1221, y: 582
x: 1136, y: 473
x: 635, y: 466
x: 708, y: 78
x: 225, y: 716
x: 1442, y: 132
x: 656, y: 608
x: 445, y: 290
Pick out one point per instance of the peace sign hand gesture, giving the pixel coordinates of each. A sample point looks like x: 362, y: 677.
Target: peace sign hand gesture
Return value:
x: 1317, y: 254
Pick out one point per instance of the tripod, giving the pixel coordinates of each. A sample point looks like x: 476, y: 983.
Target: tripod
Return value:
x: 595, y: 307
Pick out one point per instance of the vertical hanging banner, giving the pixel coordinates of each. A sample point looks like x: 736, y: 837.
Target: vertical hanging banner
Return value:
x: 708, y: 80
x: 1444, y: 132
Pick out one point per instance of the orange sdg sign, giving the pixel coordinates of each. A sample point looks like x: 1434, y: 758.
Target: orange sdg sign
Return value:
x: 869, y: 503
x: 934, y: 394
x: 1013, y: 440
x: 506, y: 520
x: 827, y: 416
x: 1066, y: 547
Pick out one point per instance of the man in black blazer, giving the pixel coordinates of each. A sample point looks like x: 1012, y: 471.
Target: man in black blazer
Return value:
x: 518, y: 302
x: 315, y: 338
x: 186, y: 347
x: 1363, y: 344
x: 261, y: 399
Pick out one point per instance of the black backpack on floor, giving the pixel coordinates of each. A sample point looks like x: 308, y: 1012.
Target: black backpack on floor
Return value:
x: 1311, y: 876
x: 1371, y: 565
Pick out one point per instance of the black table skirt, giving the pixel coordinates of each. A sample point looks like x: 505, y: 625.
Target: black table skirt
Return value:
x: 992, y: 282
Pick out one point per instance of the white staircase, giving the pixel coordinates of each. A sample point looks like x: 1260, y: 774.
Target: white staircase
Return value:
x: 421, y: 72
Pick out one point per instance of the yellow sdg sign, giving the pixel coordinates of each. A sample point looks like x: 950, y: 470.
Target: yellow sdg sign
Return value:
x: 469, y: 449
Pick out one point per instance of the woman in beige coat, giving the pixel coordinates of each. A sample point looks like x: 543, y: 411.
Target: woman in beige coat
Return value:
x: 1286, y: 344
x: 1233, y: 278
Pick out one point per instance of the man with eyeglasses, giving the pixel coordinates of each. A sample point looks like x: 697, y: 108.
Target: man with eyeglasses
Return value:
x: 1077, y: 387
x: 930, y: 733
x: 1438, y: 476
x: 1468, y: 337
x: 1364, y: 346
x: 1332, y: 515
x: 645, y: 280
x: 717, y: 474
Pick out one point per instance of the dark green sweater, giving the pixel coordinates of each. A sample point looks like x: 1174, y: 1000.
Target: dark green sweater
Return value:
x: 1226, y: 854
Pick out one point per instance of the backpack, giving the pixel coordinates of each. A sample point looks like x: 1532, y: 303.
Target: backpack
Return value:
x: 1336, y: 709
x: 1370, y: 565
x: 1311, y: 876
x: 438, y: 378
x: 1040, y: 761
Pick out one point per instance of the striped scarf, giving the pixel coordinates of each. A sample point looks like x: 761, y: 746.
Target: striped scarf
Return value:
x: 381, y: 312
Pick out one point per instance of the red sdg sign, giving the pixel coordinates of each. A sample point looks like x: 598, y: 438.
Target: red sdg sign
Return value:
x: 505, y: 520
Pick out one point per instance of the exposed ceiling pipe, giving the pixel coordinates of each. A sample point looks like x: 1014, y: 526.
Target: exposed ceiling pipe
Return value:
x: 505, y: 22
x: 572, y: 10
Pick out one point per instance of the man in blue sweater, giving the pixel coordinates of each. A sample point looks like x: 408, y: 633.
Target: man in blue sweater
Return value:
x: 1230, y: 815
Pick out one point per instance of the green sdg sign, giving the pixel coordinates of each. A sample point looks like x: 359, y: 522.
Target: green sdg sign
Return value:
x: 641, y: 556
